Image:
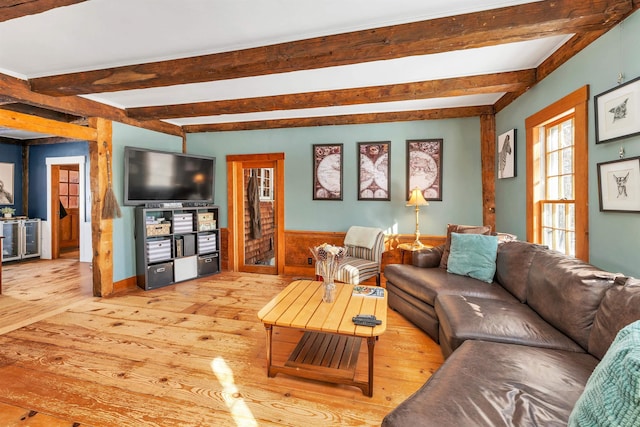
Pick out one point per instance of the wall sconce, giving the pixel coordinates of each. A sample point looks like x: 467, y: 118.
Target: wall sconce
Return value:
x: 417, y: 199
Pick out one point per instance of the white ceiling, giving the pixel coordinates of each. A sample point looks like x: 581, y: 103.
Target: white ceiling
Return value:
x: 99, y: 34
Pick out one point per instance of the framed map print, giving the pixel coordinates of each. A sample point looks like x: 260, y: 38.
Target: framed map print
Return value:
x: 424, y: 167
x: 374, y: 170
x: 327, y: 172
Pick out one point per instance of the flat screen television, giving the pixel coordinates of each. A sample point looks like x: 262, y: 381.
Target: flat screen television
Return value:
x: 152, y: 176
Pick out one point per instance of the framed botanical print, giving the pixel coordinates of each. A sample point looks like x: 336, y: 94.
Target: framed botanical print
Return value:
x: 374, y: 169
x: 327, y: 171
x: 424, y: 167
x: 619, y: 185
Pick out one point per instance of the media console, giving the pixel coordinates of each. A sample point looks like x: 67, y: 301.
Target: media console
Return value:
x: 176, y: 243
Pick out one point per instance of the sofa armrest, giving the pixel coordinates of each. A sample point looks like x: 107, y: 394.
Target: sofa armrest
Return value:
x: 428, y: 258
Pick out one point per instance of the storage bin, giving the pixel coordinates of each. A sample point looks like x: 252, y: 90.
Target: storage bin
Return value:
x: 158, y: 250
x: 182, y: 223
x: 208, y: 264
x: 159, y: 275
x: 207, y: 243
x: 185, y: 268
x: 158, y: 229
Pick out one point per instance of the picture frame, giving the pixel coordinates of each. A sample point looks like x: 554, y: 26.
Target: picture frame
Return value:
x: 327, y: 171
x: 619, y: 185
x: 617, y: 112
x: 424, y: 167
x: 374, y: 170
x: 506, y: 150
x: 7, y: 195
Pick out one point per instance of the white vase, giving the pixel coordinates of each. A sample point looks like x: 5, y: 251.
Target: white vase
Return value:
x: 7, y: 215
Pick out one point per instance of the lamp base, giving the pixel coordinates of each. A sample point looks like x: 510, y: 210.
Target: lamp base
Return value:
x: 417, y: 244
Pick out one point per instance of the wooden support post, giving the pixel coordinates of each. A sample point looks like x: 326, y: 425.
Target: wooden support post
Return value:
x: 488, y: 160
x: 101, y: 229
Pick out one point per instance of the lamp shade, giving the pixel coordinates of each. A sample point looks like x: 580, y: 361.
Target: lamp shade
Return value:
x: 416, y: 198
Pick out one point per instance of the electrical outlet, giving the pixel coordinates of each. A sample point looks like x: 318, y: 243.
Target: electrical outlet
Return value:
x: 309, y: 261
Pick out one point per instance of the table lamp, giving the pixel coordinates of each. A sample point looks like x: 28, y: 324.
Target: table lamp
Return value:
x: 417, y: 199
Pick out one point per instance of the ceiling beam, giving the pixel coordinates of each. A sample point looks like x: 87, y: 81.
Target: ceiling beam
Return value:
x: 21, y: 121
x: 485, y: 28
x: 350, y: 119
x: 459, y: 86
x: 12, y: 9
x: 18, y: 90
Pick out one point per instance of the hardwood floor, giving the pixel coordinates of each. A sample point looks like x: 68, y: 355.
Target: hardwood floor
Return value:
x: 191, y: 354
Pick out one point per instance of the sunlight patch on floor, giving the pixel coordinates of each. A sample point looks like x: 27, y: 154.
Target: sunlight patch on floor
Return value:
x: 239, y: 410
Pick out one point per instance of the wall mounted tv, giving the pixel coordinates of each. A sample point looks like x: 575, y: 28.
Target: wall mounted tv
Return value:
x: 159, y: 176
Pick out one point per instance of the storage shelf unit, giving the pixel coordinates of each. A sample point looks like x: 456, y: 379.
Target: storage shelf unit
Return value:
x: 176, y: 244
x: 21, y: 239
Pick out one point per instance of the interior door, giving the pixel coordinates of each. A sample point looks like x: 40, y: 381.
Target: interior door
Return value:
x: 69, y: 214
x: 256, y: 213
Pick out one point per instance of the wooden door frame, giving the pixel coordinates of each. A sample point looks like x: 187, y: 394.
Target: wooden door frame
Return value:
x: 53, y: 173
x: 235, y: 205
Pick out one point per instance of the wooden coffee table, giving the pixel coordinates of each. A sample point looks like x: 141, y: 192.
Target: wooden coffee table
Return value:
x: 328, y: 350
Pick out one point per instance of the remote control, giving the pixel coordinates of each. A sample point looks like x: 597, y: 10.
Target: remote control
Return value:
x: 365, y: 316
x: 366, y: 322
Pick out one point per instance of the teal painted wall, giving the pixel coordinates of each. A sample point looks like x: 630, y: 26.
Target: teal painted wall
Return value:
x: 461, y: 187
x: 462, y: 198
x: 614, y: 237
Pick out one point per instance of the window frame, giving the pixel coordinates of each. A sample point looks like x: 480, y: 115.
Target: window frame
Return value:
x: 578, y: 102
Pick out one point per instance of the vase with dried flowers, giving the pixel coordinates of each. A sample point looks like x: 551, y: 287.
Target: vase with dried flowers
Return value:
x: 328, y: 258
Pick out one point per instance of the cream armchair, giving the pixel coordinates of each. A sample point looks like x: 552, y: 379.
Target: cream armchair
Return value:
x: 365, y: 246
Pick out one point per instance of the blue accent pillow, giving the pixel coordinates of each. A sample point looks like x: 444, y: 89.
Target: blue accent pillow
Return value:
x: 612, y: 394
x: 473, y: 255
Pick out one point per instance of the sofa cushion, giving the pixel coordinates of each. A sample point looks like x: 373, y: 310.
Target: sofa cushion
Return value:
x: 463, y: 229
x: 425, y: 284
x: 512, y: 266
x: 495, y: 384
x: 471, y: 318
x: 473, y: 255
x: 428, y: 258
x: 619, y: 307
x: 612, y: 394
x: 566, y: 292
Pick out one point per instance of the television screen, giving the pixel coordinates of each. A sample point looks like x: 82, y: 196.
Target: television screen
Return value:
x: 158, y: 176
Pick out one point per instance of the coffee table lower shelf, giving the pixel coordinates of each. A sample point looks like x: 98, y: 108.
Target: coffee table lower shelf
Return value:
x: 325, y: 357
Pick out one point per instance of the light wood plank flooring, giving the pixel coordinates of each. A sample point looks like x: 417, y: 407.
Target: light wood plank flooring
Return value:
x: 191, y: 354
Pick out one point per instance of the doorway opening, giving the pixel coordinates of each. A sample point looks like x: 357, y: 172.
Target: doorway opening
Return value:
x: 66, y: 231
x: 256, y: 213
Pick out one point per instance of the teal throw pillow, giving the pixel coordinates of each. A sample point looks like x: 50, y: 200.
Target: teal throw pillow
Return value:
x: 612, y: 394
x: 473, y: 255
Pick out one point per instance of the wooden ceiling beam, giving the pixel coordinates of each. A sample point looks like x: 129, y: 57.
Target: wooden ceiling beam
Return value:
x: 459, y: 86
x: 485, y: 28
x: 21, y: 121
x: 12, y: 9
x: 350, y: 119
x: 18, y: 90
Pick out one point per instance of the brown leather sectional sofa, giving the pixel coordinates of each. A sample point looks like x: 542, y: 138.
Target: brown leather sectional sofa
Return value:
x: 518, y: 351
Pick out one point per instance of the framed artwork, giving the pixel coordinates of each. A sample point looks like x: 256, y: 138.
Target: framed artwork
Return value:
x: 6, y: 184
x: 424, y: 167
x: 374, y: 169
x: 327, y: 172
x: 619, y: 185
x: 618, y: 112
x: 507, y: 154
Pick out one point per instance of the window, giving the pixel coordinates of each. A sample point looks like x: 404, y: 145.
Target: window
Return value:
x: 557, y: 176
x: 265, y: 179
x: 557, y: 222
x: 68, y: 187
